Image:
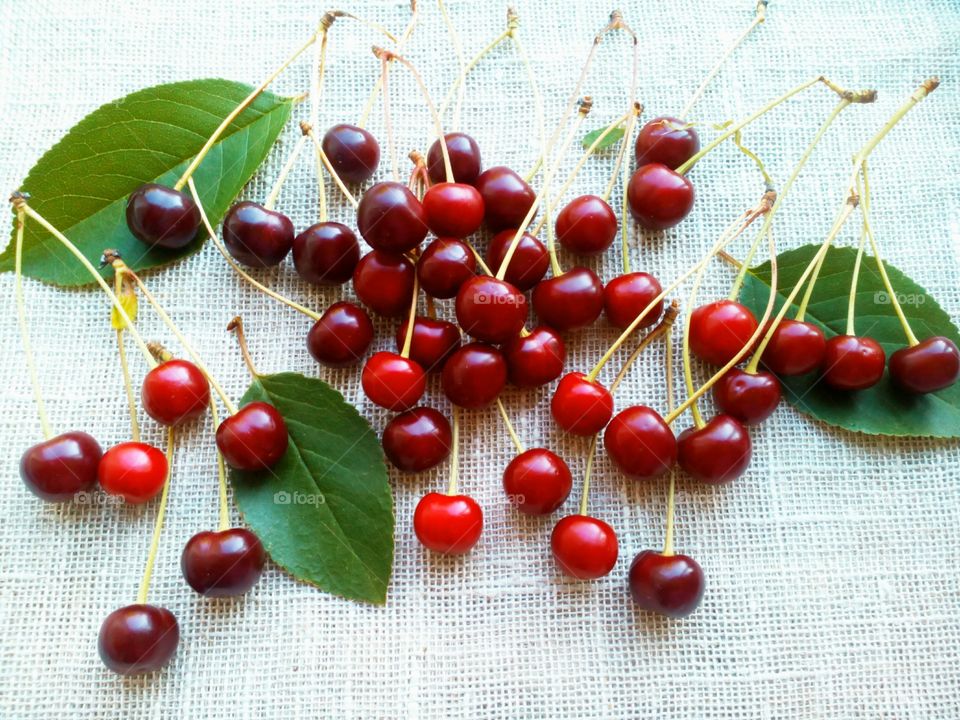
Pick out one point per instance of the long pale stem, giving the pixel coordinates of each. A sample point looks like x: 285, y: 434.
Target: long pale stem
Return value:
x: 411, y: 319
x: 125, y: 368
x: 461, y: 62
x: 510, y: 430
x: 375, y: 91
x: 158, y: 525
x: 454, y: 453
x: 461, y: 79
x: 322, y: 156
x: 221, y: 472
x: 672, y: 490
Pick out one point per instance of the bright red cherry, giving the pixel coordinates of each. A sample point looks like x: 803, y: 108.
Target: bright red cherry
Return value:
x: 931, y: 365
x: 448, y: 524
x: 57, y: 469
x: 453, y: 209
x: 587, y: 225
x: 666, y: 140
x: 716, y: 453
x: 255, y: 236
x: 474, y: 375
x: 392, y: 381
x: 580, y: 406
x: 659, y: 197
x: 670, y: 585
x: 326, y: 253
x: 159, y: 216
x: 584, y: 547
x: 135, y: 471
x: 444, y: 266
x: 384, y: 283
x: 853, y: 363
x: 224, y: 563
x: 626, y: 296
x: 719, y: 330
x: 254, y: 438
x: 529, y: 263
x: 640, y: 443
x: 795, y: 348
x: 417, y: 439
x: 536, y: 358
x: 341, y: 336
x: 390, y: 218
x: 571, y: 301
x: 491, y: 310
x: 749, y: 397
x: 138, y: 639
x: 537, y: 481
x: 507, y: 198
x: 433, y: 342
x: 353, y: 152
x: 464, y: 159
x: 175, y: 391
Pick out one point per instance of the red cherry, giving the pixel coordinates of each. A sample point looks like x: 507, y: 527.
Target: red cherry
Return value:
x: 448, y: 524
x: 433, y: 342
x: 255, y: 236
x: 853, y: 363
x: 570, y: 301
x: 392, y: 381
x: 587, y: 225
x: 353, y: 152
x: 507, y: 198
x: 670, y: 585
x: 584, y: 547
x: 795, y: 348
x: 135, y: 471
x: 749, y: 397
x: 159, y: 216
x: 659, y: 197
x: 666, y: 140
x: 536, y: 358
x: 529, y: 263
x: 537, y: 481
x: 59, y: 468
x: 390, y: 218
x: 491, y: 310
x: 384, y: 282
x: 254, y: 438
x: 453, y: 209
x: 224, y: 563
x: 580, y: 406
x: 716, y: 453
x: 326, y: 253
x: 175, y: 391
x: 931, y: 365
x: 417, y: 439
x: 719, y: 330
x: 474, y: 375
x: 640, y: 443
x: 341, y: 336
x: 626, y: 296
x: 444, y: 266
x: 138, y: 639
x: 464, y: 159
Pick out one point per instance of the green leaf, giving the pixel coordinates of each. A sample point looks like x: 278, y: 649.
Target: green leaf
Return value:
x: 612, y: 138
x: 81, y: 184
x: 325, y: 511
x: 882, y: 409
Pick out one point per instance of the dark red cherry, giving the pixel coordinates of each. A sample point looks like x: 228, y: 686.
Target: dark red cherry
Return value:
x: 326, y: 253
x: 175, y: 391
x: 453, y: 209
x: 580, y: 406
x: 417, y: 440
x: 507, y: 198
x: 384, y: 283
x: 224, y: 563
x: 587, y: 225
x: 584, y: 547
x: 464, y: 159
x: 931, y: 365
x: 138, y: 639
x: 670, y: 585
x: 573, y: 300
x: 749, y: 397
x: 390, y: 218
x: 444, y: 266
x: 57, y: 469
x: 666, y: 140
x: 640, y: 443
x: 133, y: 470
x: 536, y: 358
x: 353, y: 152
x: 159, y: 216
x: 474, y: 375
x: 254, y: 438
x: 433, y: 342
x: 529, y: 262
x: 853, y: 363
x: 255, y: 236
x: 448, y: 524
x: 626, y: 296
x: 716, y: 453
x: 719, y: 330
x: 795, y: 348
x: 392, y: 381
x: 341, y: 336
x: 659, y: 197
x: 490, y: 310
x: 537, y: 481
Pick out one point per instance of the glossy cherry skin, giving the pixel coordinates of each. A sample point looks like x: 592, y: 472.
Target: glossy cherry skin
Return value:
x: 254, y: 438
x: 464, y: 159
x: 384, y: 283
x: 57, y: 469
x: 507, y: 198
x: 490, y: 310
x: 224, y: 563
x: 159, y: 216
x: 444, y: 266
x: 668, y: 141
x: 535, y: 359
x: 749, y: 397
x: 579, y: 406
x: 138, y: 639
x: 453, y: 209
x: 640, y: 443
x: 474, y: 375
x: 326, y: 253
x: 795, y: 348
x: 392, y: 381
x: 670, y: 585
x: 716, y: 453
x: 529, y: 263
x: 353, y: 152
x: 390, y: 218
x: 626, y: 296
x: 175, y: 391
x: 932, y: 365
x: 569, y: 302
x: 537, y: 481
x: 341, y: 336
x: 659, y: 198
x: 255, y: 236
x: 135, y: 471
x: 434, y: 341
x: 853, y: 363
x: 417, y: 440
x: 584, y: 547
x: 448, y: 524
x: 719, y: 330
x: 586, y: 225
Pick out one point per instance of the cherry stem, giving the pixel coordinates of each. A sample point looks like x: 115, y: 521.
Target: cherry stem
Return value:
x: 411, y: 319
x: 322, y: 156
x: 158, y: 524
x: 454, y: 453
x: 317, y: 76
x: 458, y: 49
x: 387, y: 123
x: 122, y: 286
x: 236, y: 326
x: 587, y: 471
x: 626, y: 221
x: 271, y: 200
x: 221, y: 473
x: 368, y: 106
x: 510, y: 430
x: 513, y: 22
x: 631, y: 116
x: 854, y: 277
x: 672, y: 490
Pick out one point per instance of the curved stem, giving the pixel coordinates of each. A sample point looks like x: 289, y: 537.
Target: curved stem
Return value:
x: 687, y: 371
x: 927, y: 87
x: 626, y: 221
x: 236, y: 326
x: 466, y: 69
x: 454, y: 453
x: 387, y: 122
x: 808, y: 293
x: 158, y: 525
x: 632, y: 118
x: 585, y: 492
x: 513, y: 433
x: 461, y: 62
x: 411, y: 318
x: 672, y: 490
x: 271, y: 200
x: 372, y: 98
x: 669, y: 317
x: 221, y: 472
x: 513, y: 23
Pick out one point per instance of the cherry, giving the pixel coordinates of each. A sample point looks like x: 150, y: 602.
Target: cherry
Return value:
x: 175, y: 391
x: 341, y: 336
x: 453, y: 209
x: 254, y: 438
x: 666, y: 140
x: 444, y: 266
x: 353, y: 152
x: 659, y: 197
x: 133, y: 470
x: 587, y: 225
x: 384, y: 282
x: 392, y: 381
x: 57, y: 469
x: 224, y: 563
x: 628, y: 295
x: 138, y: 639
x: 716, y: 453
x: 474, y: 375
x: 670, y: 585
x: 507, y: 198
x: 433, y: 342
x: 536, y: 358
x: 417, y: 439
x: 390, y: 218
x: 719, y: 330
x: 256, y: 236
x: 491, y: 310
x: 159, y: 216
x: 853, y: 363
x: 795, y: 348
x: 326, y: 253
x: 448, y: 524
x: 580, y: 406
x: 537, y: 481
x: 571, y: 301
x: 529, y: 262
x: 749, y: 397
x: 640, y: 443
x: 584, y: 547
x: 464, y: 159
x: 931, y: 365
